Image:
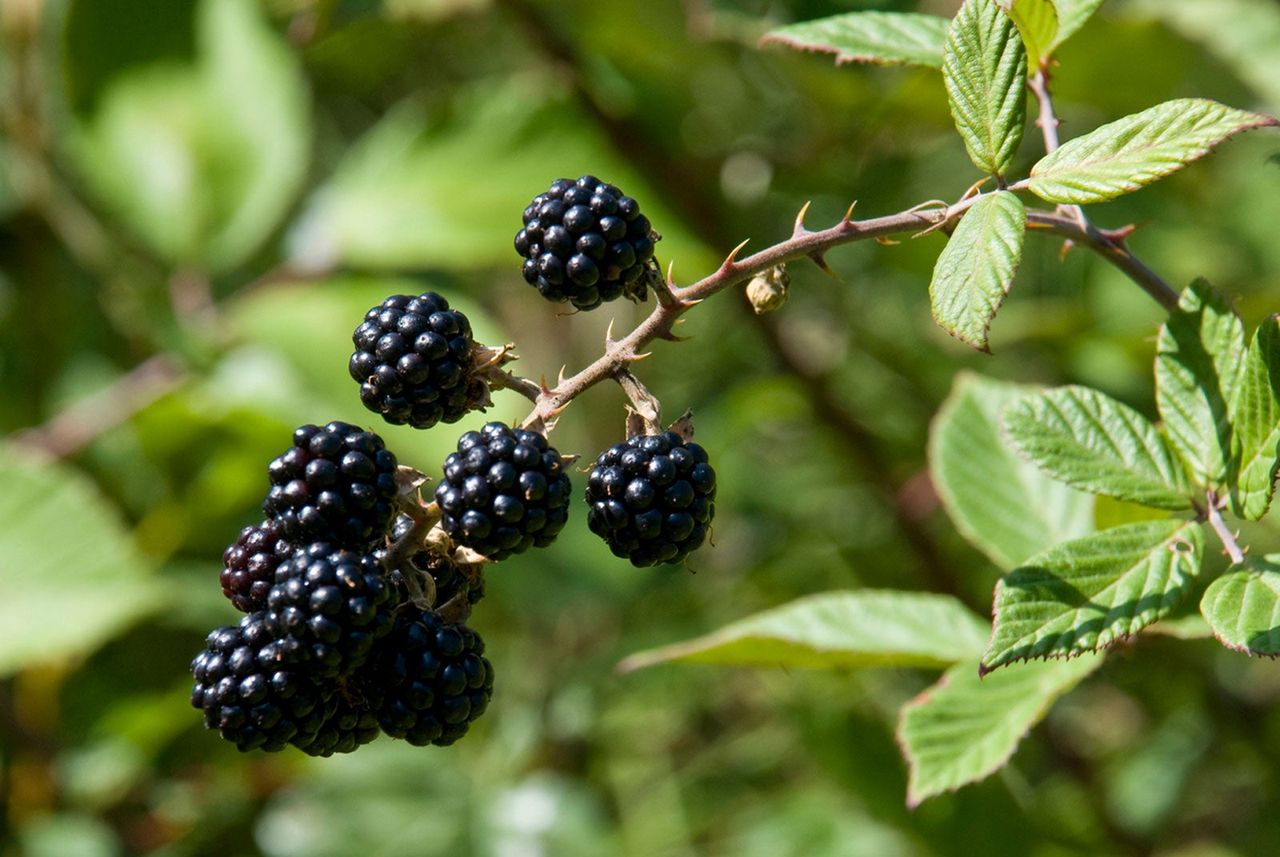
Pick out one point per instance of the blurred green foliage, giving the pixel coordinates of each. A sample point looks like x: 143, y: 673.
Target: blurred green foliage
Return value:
x: 214, y: 191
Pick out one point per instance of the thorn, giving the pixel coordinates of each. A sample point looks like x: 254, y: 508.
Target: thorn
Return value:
x: 975, y: 187
x: 929, y: 203
x: 821, y: 262
x: 733, y: 256
x: 671, y: 280
x: 799, y: 228
x: 887, y: 241
x: 848, y: 214
x: 636, y: 358
x: 609, y: 341
x: 1119, y: 236
x: 673, y: 337
x: 560, y: 374
x: 1067, y: 246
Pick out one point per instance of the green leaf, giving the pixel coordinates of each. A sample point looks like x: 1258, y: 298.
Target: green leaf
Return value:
x: 1072, y: 15
x: 836, y: 630
x: 965, y: 728
x: 984, y: 67
x: 1091, y: 441
x: 1199, y: 356
x: 1037, y: 21
x: 1255, y: 421
x: 69, y: 576
x: 1135, y: 151
x: 1004, y: 505
x: 974, y: 271
x: 202, y: 159
x: 414, y: 193
x: 1087, y: 593
x: 887, y: 38
x: 1243, y: 607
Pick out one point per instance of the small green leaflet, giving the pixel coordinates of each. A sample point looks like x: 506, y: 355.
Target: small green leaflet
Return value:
x: 1072, y: 15
x: 1091, y: 441
x: 1243, y: 606
x: 1088, y: 593
x: 965, y: 728
x: 974, y: 271
x: 1037, y: 21
x: 1199, y: 356
x: 1004, y: 505
x: 1137, y: 150
x: 1255, y: 420
x: 984, y: 67
x: 835, y: 630
x: 887, y: 38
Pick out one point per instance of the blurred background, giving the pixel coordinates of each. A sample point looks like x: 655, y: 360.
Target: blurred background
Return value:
x: 200, y: 198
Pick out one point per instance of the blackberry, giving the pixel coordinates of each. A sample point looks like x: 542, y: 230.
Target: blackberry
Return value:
x: 450, y: 578
x: 254, y: 690
x: 413, y: 360
x: 249, y: 565
x: 334, y: 484
x: 350, y: 726
x: 504, y: 491
x: 585, y: 242
x: 332, y: 604
x: 652, y: 498
x: 430, y: 679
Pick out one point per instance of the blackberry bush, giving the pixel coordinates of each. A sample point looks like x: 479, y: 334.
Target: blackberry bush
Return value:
x: 585, y: 242
x: 414, y: 360
x: 430, y: 677
x: 333, y: 604
x: 335, y: 484
x: 504, y: 491
x: 254, y: 691
x: 249, y: 565
x: 652, y: 498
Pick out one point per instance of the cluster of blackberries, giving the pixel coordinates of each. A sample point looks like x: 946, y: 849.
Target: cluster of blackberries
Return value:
x: 332, y: 649
x: 585, y: 242
x: 341, y: 640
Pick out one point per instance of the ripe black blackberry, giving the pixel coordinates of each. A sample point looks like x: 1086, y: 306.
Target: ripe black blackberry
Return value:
x: 249, y: 565
x: 414, y: 362
x: 335, y: 484
x: 332, y: 604
x: 585, y: 242
x: 254, y: 691
x: 350, y: 726
x: 429, y: 678
x: 651, y: 498
x: 450, y: 577
x: 504, y: 491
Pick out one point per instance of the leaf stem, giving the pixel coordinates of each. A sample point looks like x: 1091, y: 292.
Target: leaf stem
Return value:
x: 1219, y: 526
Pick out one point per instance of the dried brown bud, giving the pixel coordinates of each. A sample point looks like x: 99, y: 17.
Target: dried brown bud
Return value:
x: 767, y: 291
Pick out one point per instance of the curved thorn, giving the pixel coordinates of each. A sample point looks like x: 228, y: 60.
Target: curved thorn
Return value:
x: 887, y: 241
x: 848, y: 215
x: 733, y: 255
x: 609, y: 341
x: 821, y: 261
x: 799, y: 228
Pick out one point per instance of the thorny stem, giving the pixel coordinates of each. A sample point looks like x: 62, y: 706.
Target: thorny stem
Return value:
x: 805, y: 243
x: 1048, y: 123
x: 1225, y: 535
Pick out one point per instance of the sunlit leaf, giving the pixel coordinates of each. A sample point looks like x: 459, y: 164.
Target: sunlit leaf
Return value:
x: 1243, y: 606
x: 838, y: 630
x: 69, y: 576
x: 202, y: 159
x: 984, y: 67
x: 1199, y: 356
x: 1088, y: 593
x: 1135, y: 151
x: 965, y: 728
x: 870, y: 37
x: 1003, y: 504
x: 1037, y: 21
x: 1072, y: 15
x: 974, y: 271
x: 1255, y: 422
x: 1096, y: 443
